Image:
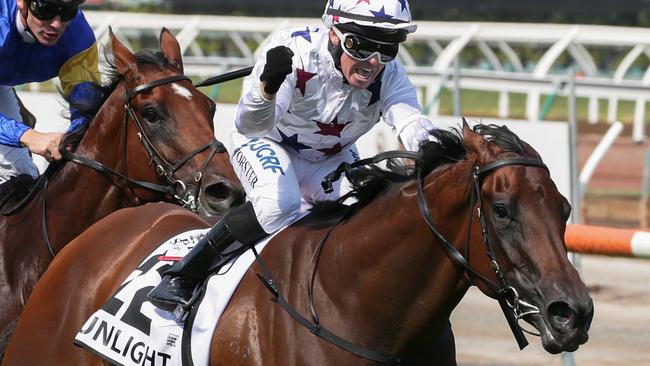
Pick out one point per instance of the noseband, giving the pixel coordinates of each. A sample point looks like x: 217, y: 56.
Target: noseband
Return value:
x: 512, y: 306
x: 175, y: 187
x: 164, y: 168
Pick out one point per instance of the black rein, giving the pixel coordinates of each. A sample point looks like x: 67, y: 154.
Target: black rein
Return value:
x: 502, y: 290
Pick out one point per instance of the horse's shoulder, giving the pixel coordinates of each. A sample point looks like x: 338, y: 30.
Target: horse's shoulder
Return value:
x: 131, y: 232
x: 148, y: 216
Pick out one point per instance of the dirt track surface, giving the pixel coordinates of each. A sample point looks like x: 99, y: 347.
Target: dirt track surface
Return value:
x: 622, y: 167
x: 620, y: 287
x: 619, y: 335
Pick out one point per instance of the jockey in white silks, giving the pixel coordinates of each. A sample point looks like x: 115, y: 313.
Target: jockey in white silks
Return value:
x: 312, y: 93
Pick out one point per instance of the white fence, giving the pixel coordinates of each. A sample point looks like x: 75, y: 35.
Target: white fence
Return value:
x: 503, y: 60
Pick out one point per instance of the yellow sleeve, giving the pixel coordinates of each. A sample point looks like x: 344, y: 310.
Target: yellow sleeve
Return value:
x: 82, y: 67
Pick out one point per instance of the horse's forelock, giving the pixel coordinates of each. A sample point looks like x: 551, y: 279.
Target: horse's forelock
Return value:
x: 502, y: 137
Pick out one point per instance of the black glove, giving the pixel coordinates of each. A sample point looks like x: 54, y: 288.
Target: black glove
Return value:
x: 278, y: 66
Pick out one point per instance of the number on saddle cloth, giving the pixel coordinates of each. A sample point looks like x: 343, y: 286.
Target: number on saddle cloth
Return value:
x: 128, y: 321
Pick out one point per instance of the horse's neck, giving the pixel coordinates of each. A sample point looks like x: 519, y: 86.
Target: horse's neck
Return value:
x: 82, y: 191
x: 398, y: 273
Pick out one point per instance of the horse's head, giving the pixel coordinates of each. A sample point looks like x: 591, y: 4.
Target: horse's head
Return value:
x: 166, y: 130
x: 525, y: 217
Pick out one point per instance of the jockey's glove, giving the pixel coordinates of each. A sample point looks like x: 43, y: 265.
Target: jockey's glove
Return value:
x: 278, y: 66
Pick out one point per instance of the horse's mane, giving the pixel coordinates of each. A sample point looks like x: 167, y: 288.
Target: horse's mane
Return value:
x: 104, y: 90
x: 368, y: 182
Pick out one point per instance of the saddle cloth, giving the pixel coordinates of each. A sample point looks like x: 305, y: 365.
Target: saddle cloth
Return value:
x: 129, y: 330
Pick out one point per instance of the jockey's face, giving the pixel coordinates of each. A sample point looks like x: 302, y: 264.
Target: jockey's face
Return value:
x: 359, y: 74
x: 46, y: 32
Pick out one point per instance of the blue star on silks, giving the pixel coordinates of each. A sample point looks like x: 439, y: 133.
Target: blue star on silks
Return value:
x: 403, y: 3
x: 331, y: 3
x: 292, y: 142
x: 304, y: 34
x: 381, y: 14
x: 375, y: 89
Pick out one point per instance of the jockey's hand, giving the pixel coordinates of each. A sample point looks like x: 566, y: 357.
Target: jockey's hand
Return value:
x: 416, y: 132
x: 278, y: 66
x: 45, y: 144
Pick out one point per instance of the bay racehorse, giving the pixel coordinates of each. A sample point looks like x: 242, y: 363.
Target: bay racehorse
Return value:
x: 383, y: 274
x: 151, y: 140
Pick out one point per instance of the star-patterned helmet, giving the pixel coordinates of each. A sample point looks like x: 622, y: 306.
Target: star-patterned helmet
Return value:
x: 387, y: 16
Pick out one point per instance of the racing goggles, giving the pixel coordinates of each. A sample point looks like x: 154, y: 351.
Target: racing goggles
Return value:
x: 362, y: 49
x: 45, y: 10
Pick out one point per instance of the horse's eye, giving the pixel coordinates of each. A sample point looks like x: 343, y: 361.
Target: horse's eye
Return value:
x: 150, y: 115
x: 500, y: 211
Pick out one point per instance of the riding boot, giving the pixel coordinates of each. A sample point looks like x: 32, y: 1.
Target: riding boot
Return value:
x: 237, y: 231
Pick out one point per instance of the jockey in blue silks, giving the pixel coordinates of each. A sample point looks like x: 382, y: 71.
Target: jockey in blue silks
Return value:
x: 40, y: 40
x: 312, y: 93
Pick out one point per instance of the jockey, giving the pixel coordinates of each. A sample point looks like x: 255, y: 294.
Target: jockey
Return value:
x: 40, y: 40
x: 312, y: 93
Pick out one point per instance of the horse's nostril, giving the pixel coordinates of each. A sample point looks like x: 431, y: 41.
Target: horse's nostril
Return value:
x: 562, y: 316
x: 219, y: 191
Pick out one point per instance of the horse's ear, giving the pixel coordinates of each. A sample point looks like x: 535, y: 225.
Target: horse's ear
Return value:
x: 473, y: 141
x: 124, y: 59
x: 171, y: 49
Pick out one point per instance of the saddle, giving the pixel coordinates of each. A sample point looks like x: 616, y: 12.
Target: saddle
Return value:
x: 14, y: 191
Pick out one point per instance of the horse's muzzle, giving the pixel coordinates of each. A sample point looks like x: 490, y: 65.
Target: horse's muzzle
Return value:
x: 217, y: 198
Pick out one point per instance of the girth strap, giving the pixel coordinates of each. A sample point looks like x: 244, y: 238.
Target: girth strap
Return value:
x: 319, y: 330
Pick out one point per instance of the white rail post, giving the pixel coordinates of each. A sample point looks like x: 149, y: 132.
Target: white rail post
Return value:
x: 567, y: 357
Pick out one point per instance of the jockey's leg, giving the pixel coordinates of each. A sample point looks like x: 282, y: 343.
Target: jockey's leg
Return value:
x: 13, y: 160
x: 238, y: 230
x: 267, y: 174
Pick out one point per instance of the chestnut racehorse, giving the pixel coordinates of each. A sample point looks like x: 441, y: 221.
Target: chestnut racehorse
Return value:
x: 151, y: 140
x: 383, y: 274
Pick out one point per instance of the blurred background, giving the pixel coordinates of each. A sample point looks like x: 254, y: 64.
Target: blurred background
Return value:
x: 572, y: 78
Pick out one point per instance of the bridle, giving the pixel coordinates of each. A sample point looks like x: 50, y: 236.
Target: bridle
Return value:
x: 175, y: 187
x: 512, y: 306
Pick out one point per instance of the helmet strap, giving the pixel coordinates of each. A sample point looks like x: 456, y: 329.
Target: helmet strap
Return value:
x: 23, y: 29
x: 336, y: 51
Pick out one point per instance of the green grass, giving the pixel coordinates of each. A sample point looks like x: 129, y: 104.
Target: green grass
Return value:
x: 485, y: 104
x: 475, y: 103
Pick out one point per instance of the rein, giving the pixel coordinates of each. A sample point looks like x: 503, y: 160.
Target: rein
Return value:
x: 175, y: 187
x: 164, y: 168
x: 507, y: 296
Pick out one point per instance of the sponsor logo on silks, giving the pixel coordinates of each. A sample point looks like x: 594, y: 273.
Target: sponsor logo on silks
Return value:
x: 266, y: 155
x: 113, y: 339
x: 246, y: 167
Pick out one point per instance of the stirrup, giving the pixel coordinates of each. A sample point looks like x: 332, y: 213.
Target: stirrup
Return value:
x: 181, y: 312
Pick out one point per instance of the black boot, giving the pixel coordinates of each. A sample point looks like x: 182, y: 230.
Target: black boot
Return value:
x: 234, y: 233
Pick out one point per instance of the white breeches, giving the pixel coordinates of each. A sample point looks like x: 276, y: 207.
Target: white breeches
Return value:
x: 13, y: 160
x: 275, y: 180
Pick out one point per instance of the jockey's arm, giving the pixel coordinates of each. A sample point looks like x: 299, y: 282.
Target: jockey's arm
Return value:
x: 78, y: 76
x: 401, y: 111
x: 257, y: 110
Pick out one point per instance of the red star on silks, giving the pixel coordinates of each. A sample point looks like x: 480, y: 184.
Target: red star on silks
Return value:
x: 303, y: 77
x: 332, y: 150
x: 330, y: 129
x: 363, y: 1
